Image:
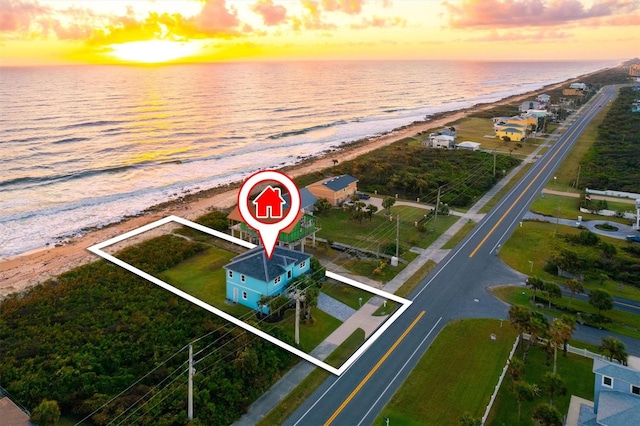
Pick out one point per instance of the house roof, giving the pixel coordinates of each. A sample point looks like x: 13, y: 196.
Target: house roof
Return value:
x: 336, y: 183
x: 307, y: 199
x: 255, y: 264
x: 618, y: 409
x: 616, y: 371
x: 444, y: 138
x: 510, y: 129
x: 468, y: 144
x: 12, y: 414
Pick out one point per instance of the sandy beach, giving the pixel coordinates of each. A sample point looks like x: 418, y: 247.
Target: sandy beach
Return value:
x: 19, y: 273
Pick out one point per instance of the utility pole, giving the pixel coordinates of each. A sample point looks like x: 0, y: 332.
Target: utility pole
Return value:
x: 397, y: 234
x: 435, y: 219
x: 297, y: 334
x: 191, y: 371
x: 494, y: 165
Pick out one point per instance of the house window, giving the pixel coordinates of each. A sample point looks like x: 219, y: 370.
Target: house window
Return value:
x: 277, y: 280
x: 607, y: 381
x: 230, y: 274
x: 303, y: 264
x: 289, y: 274
x: 244, y: 295
x: 243, y: 278
x: 635, y: 390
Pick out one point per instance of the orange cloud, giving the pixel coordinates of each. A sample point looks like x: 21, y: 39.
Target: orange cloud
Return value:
x: 524, y: 36
x: 523, y: 13
x: 351, y: 7
x: 215, y: 18
x: 271, y: 13
x: 380, y: 22
x: 20, y: 15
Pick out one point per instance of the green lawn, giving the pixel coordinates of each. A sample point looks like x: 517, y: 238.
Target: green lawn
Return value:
x: 575, y: 370
x: 311, y: 333
x: 625, y: 323
x: 535, y: 242
x: 456, y: 239
x: 474, y: 129
x: 347, y: 294
x: 568, y: 208
x: 433, y: 395
x: 413, y: 282
x: 306, y: 387
x: 203, y: 277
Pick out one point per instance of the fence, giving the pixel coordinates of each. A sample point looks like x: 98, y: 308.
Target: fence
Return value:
x: 608, y: 193
x: 504, y: 371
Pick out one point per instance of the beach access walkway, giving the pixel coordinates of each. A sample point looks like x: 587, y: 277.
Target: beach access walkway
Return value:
x: 363, y: 318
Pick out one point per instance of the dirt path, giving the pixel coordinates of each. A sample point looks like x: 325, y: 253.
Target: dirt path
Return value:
x: 595, y: 197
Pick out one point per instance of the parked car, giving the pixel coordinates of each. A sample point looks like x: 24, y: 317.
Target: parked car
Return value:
x: 633, y: 238
x: 363, y: 196
x: 348, y: 204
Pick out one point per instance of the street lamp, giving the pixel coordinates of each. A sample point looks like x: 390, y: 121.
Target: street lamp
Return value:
x: 531, y: 266
x: 555, y: 180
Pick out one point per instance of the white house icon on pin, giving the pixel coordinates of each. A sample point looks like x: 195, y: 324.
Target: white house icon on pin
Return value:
x: 269, y: 203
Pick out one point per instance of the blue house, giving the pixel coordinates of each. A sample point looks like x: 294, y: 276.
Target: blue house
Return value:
x: 252, y: 275
x: 616, y: 400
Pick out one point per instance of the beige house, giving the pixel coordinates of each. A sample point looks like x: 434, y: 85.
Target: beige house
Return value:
x: 336, y: 190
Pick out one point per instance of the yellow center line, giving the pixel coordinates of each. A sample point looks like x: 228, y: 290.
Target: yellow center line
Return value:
x: 522, y: 193
x: 373, y: 370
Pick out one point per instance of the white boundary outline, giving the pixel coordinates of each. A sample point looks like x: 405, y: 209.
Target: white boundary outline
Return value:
x: 404, y: 303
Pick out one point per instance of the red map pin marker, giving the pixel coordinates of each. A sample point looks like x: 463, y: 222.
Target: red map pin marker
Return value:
x: 268, y: 219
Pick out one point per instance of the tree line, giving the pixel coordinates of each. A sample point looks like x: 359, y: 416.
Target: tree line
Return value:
x: 84, y: 337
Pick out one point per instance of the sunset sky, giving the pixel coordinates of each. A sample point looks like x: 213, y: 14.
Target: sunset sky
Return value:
x: 41, y: 32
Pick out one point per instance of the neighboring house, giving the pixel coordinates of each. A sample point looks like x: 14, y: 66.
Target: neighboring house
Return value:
x: 336, y: 190
x: 442, y: 141
x: 448, y: 132
x: 544, y: 98
x: 634, y: 70
x: 307, y: 201
x: 11, y: 414
x: 252, y: 275
x: 499, y: 120
x: 578, y: 86
x: 531, y: 119
x: 530, y: 105
x: 616, y: 400
x: 469, y: 146
x: 515, y: 134
x: 296, y: 234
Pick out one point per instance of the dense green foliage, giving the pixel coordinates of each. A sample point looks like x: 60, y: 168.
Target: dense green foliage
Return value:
x: 595, y: 259
x: 613, y: 162
x: 416, y: 172
x: 82, y: 339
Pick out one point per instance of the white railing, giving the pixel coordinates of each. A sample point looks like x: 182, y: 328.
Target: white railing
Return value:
x: 585, y: 353
x: 497, y: 388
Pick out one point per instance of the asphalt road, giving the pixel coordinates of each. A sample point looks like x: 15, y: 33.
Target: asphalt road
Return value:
x: 456, y: 288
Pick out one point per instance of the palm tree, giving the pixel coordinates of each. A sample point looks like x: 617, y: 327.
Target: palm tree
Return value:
x: 537, y: 327
x: 559, y: 333
x: 553, y: 385
x: 387, y: 203
x: 571, y: 322
x: 613, y: 348
x: 574, y: 286
x: 524, y: 391
x: 515, y: 369
x: 520, y: 318
x: 536, y: 284
x: 547, y: 415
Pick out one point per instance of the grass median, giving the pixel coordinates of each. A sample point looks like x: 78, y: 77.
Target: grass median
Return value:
x: 433, y: 395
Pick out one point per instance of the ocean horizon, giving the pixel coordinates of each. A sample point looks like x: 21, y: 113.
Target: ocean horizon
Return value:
x: 85, y: 146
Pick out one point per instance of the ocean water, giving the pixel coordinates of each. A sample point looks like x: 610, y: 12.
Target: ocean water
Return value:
x: 84, y: 146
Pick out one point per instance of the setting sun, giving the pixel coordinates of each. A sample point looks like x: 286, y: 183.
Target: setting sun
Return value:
x: 153, y: 51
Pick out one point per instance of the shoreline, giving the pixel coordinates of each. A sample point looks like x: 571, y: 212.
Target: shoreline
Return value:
x: 21, y: 272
